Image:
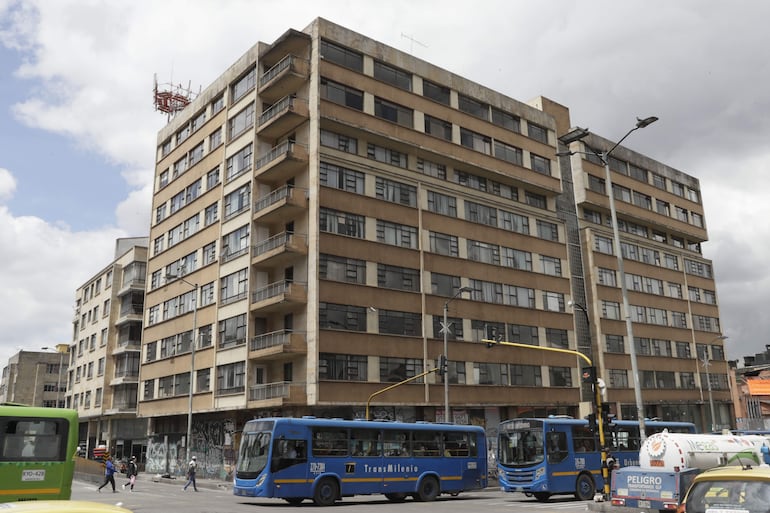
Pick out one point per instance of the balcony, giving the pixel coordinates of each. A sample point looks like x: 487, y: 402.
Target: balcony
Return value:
x: 279, y: 296
x: 283, y: 79
x: 280, y: 205
x: 281, y: 163
x: 124, y: 378
x: 276, y: 394
x: 275, y: 344
x: 129, y: 284
x: 130, y: 313
x: 284, y: 116
x: 278, y: 250
x: 127, y: 346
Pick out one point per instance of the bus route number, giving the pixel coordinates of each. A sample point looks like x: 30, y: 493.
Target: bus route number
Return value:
x: 33, y: 475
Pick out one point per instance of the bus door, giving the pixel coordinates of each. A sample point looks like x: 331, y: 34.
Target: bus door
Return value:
x: 289, y: 466
x: 560, y: 460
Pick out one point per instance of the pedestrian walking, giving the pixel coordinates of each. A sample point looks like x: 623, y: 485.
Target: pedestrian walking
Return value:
x: 131, y: 473
x: 109, y: 475
x: 192, y: 467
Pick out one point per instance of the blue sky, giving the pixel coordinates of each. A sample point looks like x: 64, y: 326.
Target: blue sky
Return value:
x: 78, y: 131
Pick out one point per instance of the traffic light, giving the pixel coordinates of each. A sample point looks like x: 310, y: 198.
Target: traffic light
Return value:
x: 493, y: 336
x: 589, y: 375
x: 442, y: 365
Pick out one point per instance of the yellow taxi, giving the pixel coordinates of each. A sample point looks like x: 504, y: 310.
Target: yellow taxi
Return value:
x: 60, y: 507
x: 729, y: 490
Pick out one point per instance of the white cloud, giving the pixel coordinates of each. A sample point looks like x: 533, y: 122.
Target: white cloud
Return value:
x: 7, y: 185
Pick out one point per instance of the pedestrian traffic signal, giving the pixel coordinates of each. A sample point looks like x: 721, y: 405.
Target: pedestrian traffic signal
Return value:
x: 589, y: 375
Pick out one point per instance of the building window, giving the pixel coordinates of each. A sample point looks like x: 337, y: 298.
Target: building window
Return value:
x: 398, y: 369
x: 442, y: 204
x: 515, y: 295
x: 514, y: 222
x: 526, y: 375
x: 212, y: 178
x: 342, y: 94
x: 433, y: 169
x: 642, y: 200
x: 557, y: 338
x: 455, y: 327
x: 341, y: 223
x: 239, y: 163
x: 560, y: 376
x: 618, y: 378
x: 610, y: 310
x: 232, y: 331
x: 342, y: 367
x: 478, y: 213
x: 339, y: 141
x: 547, y: 231
x: 550, y: 265
x: 396, y: 234
x: 506, y: 120
x: 510, y: 154
x: 553, y: 301
x: 516, y: 259
x: 535, y: 200
x: 487, y: 291
x: 438, y: 128
x: 235, y: 243
x: 231, y: 378
x: 396, y: 192
x: 234, y: 287
x: 540, y: 164
x: 393, y: 112
x: 476, y: 141
x: 444, y: 284
x: 341, y: 317
x: 342, y: 56
x: 211, y: 214
x: 245, y: 84
x: 386, y: 155
x: 537, y: 132
x: 615, y: 344
x: 603, y: 245
x: 393, y: 76
x: 400, y: 278
x: 237, y: 201
x: 435, y: 92
x: 351, y: 270
x: 473, y: 107
x: 483, y: 252
x: 443, y: 244
x: 606, y: 277
x: 341, y: 178
x: 522, y: 334
x: 492, y: 373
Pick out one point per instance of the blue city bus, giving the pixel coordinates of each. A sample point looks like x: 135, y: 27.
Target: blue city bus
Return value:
x: 561, y: 455
x: 326, y: 459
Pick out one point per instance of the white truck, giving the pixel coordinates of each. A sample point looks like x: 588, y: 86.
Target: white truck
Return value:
x: 668, y: 462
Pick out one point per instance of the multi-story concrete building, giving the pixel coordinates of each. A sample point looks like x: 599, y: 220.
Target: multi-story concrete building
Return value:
x: 104, y: 354
x: 328, y: 197
x: 36, y: 378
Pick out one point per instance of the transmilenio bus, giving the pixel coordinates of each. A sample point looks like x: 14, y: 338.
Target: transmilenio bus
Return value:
x: 327, y: 459
x: 559, y: 455
x: 37, y: 452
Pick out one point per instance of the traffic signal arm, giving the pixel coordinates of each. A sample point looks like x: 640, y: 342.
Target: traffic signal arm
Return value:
x: 394, y: 385
x: 491, y: 342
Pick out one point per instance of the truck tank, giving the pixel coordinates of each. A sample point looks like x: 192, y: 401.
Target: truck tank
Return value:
x: 674, y: 451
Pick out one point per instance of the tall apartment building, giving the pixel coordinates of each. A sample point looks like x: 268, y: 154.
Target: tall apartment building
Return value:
x: 103, y: 372
x: 323, y: 202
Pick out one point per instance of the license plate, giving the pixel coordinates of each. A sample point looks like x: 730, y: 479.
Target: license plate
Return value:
x: 33, y: 475
x: 644, y: 504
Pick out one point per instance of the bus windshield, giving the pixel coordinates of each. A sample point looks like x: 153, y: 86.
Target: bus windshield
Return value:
x: 253, y: 454
x: 522, y: 445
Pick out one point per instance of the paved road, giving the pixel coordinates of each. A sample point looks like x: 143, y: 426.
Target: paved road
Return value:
x: 217, y: 497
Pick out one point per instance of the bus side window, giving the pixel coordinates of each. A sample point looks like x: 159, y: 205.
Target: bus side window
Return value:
x: 557, y: 447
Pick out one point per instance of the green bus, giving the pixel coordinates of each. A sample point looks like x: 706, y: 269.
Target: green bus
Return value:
x: 37, y: 452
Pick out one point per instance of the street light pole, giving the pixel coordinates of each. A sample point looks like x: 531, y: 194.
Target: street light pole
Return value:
x: 445, y: 329
x: 706, y: 363
x: 192, y: 360
x: 576, y: 135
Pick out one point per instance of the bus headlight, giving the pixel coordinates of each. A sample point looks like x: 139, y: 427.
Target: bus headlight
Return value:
x: 261, y: 479
x: 539, y: 472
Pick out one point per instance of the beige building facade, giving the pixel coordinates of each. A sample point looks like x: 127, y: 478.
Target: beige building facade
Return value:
x: 319, y: 205
x: 103, y: 371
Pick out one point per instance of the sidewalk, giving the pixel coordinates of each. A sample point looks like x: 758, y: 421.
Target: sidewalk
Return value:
x: 120, y: 479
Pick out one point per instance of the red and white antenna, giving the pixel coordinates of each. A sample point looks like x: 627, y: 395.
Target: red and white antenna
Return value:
x: 170, y: 98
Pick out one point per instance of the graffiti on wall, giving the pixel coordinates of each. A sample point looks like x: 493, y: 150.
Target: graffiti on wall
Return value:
x: 211, y: 442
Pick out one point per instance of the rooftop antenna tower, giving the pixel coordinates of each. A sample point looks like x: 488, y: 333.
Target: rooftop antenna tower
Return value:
x: 170, y: 98
x: 412, y: 41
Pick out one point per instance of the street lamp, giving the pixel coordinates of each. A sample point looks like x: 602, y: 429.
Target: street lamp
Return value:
x: 59, y: 350
x: 171, y: 276
x: 706, y: 364
x: 445, y: 330
x: 577, y: 134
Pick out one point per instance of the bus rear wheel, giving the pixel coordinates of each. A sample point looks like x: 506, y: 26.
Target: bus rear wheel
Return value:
x: 542, y: 496
x: 428, y: 489
x: 585, y: 488
x: 326, y: 492
x: 395, y: 497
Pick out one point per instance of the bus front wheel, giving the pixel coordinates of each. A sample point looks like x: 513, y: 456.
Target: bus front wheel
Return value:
x: 428, y: 489
x: 326, y: 492
x: 395, y: 497
x: 585, y: 488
